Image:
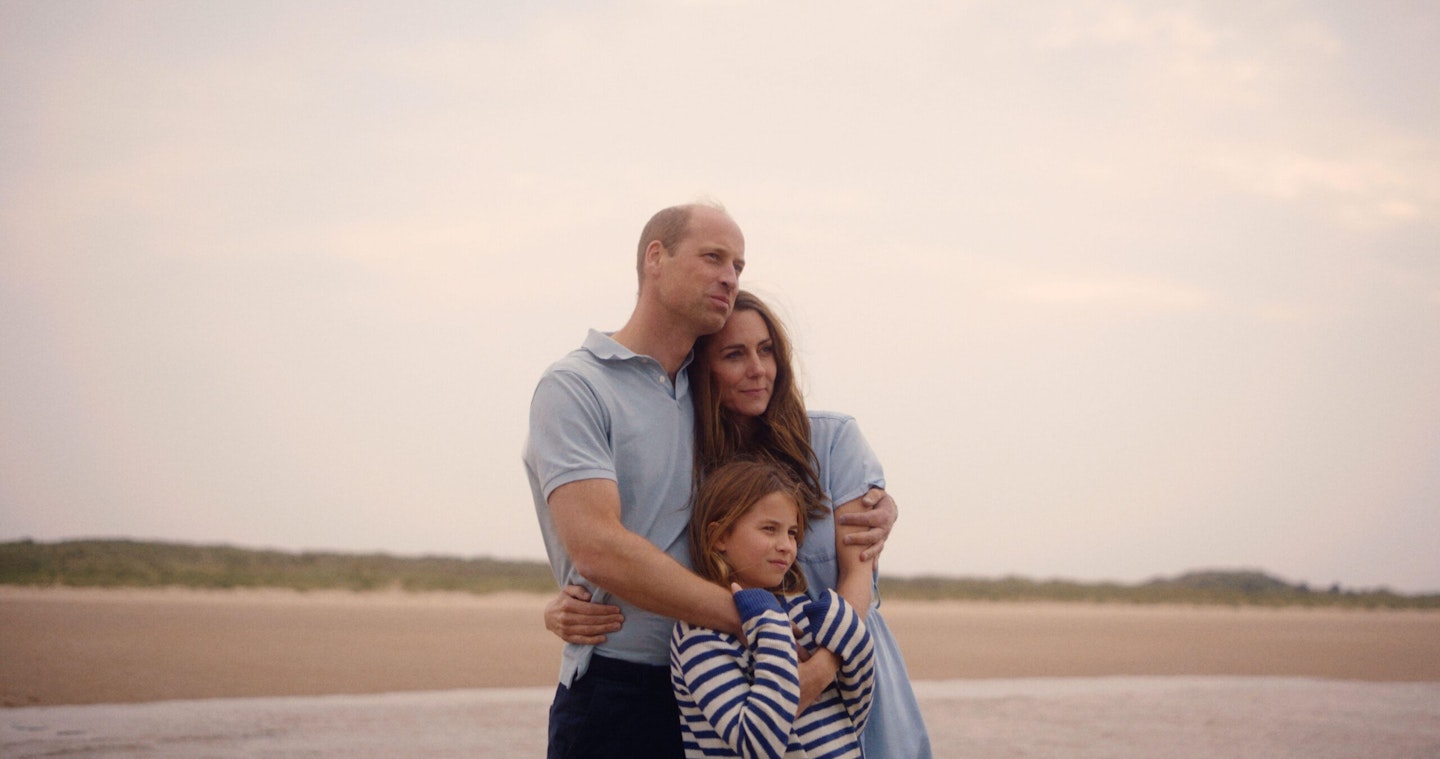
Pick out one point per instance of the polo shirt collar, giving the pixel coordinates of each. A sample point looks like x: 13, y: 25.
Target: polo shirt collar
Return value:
x: 603, y: 346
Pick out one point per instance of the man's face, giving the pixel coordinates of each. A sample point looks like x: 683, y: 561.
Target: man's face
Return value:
x: 700, y: 277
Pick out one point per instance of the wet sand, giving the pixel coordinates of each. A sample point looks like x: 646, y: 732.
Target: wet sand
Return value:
x: 78, y: 646
x: 172, y: 673
x: 1077, y: 718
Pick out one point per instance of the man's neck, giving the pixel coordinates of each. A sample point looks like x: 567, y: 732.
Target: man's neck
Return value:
x: 664, y: 343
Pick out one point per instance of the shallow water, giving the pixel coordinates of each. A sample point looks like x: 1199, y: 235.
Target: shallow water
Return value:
x: 1178, y: 717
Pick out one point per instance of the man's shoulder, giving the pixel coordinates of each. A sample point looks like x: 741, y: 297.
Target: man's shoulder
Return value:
x: 596, y: 358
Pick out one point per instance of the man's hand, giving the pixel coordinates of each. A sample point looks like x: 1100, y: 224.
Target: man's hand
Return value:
x: 878, y: 517
x: 574, y: 619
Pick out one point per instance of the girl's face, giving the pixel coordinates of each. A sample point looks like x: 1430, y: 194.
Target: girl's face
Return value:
x: 761, y: 545
x: 742, y: 362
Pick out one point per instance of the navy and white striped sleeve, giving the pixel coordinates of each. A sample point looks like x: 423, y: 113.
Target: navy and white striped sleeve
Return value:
x: 836, y: 626
x: 753, y: 718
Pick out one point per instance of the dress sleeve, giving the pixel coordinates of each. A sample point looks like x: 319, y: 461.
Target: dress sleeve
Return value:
x: 848, y: 465
x: 836, y: 626
x: 754, y: 717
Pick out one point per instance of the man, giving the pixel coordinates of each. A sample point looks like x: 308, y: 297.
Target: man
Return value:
x: 609, y: 460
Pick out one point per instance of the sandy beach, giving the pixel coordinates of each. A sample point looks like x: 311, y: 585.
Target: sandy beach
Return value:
x: 183, y: 673
x: 81, y: 646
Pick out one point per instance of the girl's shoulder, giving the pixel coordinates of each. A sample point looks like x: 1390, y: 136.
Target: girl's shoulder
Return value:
x: 686, y: 635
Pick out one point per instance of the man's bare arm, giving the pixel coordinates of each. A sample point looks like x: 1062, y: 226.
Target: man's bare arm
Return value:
x: 587, y: 517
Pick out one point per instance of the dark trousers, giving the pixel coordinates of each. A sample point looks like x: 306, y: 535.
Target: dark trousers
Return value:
x: 616, y: 710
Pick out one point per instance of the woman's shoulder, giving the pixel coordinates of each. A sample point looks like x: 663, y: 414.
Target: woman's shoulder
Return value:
x: 822, y: 416
x: 826, y: 425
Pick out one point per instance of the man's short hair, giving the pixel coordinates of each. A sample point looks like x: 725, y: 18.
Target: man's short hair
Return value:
x: 669, y: 226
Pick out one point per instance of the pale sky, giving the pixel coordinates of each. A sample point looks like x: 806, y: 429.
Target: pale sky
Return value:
x: 1115, y: 289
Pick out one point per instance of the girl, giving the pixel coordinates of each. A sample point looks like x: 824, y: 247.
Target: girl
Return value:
x: 739, y: 698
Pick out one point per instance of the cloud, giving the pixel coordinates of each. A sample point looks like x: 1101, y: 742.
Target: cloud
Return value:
x: 1129, y: 293
x: 1375, y: 185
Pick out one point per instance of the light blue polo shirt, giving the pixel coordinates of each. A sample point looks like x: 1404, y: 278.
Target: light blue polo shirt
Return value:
x: 605, y: 412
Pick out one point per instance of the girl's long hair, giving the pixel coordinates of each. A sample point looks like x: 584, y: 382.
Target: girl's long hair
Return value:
x: 727, y: 493
x: 781, y: 433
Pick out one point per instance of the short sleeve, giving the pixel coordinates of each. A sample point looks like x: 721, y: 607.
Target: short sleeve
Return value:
x: 848, y: 466
x: 569, y: 433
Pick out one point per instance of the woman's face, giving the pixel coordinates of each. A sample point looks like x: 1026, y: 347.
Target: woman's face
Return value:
x: 742, y: 362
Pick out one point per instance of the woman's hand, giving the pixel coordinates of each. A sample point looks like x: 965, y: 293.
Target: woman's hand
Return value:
x: 878, y: 517
x: 574, y: 619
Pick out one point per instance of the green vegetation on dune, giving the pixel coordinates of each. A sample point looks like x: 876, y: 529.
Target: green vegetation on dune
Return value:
x: 126, y: 563
x: 123, y: 563
x: 1237, y: 588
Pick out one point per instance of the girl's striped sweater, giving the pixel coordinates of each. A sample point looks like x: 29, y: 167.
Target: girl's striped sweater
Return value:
x: 739, y: 699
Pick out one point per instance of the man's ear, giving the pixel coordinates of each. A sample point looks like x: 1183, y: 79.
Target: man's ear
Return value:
x: 653, y: 253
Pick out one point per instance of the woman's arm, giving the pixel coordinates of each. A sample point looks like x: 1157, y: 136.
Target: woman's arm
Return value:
x: 856, y: 572
x: 874, y: 521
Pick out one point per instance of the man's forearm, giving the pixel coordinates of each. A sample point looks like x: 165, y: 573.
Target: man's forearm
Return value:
x: 637, y: 571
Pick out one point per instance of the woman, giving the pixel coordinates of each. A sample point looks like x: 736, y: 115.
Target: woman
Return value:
x: 747, y: 402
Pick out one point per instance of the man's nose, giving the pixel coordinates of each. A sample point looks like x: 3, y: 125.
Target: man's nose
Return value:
x: 730, y: 278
